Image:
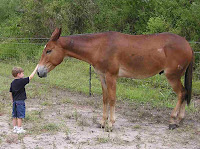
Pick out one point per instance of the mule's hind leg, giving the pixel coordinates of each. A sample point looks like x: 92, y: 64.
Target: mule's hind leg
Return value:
x: 182, y: 112
x: 178, y: 111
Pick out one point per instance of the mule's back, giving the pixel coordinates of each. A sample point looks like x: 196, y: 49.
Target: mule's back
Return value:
x: 142, y: 56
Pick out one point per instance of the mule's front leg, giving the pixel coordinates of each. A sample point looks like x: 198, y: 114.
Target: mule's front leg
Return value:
x: 111, y: 87
x: 105, y: 112
x: 105, y: 102
x: 112, y: 114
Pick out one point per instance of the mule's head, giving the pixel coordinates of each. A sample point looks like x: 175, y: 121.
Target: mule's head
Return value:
x: 53, y: 55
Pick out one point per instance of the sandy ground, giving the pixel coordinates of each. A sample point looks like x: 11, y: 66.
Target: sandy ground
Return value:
x: 77, y: 116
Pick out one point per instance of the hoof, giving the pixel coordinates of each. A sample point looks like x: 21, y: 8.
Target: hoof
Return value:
x: 106, y: 128
x: 100, y: 126
x: 173, y: 126
x: 109, y: 129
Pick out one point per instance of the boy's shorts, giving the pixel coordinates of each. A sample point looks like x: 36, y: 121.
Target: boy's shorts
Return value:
x: 18, y: 109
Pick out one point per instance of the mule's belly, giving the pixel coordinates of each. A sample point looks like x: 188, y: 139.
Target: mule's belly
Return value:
x: 137, y: 74
x: 142, y: 64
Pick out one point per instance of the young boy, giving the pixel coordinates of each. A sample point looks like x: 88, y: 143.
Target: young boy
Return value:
x: 18, y: 96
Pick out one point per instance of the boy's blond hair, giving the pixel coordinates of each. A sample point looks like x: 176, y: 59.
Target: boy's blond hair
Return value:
x: 16, y: 70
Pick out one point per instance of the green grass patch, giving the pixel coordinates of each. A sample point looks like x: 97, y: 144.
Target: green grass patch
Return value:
x: 137, y: 127
x: 73, y: 75
x: 51, y: 127
x: 103, y: 139
x: 20, y: 52
x: 33, y: 116
x: 66, y: 100
x: 46, y: 103
x: 39, y: 128
x: 5, y: 100
x: 196, y: 87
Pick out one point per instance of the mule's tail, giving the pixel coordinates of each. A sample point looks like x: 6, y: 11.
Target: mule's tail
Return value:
x: 188, y: 82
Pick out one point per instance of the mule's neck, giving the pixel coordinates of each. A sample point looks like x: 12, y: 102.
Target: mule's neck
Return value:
x: 79, y: 47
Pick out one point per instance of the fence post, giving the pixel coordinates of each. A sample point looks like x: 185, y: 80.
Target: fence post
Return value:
x: 90, y: 81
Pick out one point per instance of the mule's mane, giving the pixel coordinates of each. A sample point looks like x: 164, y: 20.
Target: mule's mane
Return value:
x: 90, y: 34
x: 88, y: 37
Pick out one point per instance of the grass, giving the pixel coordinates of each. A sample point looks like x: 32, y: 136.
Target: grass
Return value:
x: 137, y: 127
x: 103, y: 139
x: 196, y: 87
x: 66, y: 100
x: 67, y: 131
x: 76, y: 115
x: 44, y: 127
x: 5, y: 101
x: 50, y: 127
x: 83, y: 121
x: 68, y: 115
x: 74, y: 76
x: 33, y: 116
x: 46, y: 103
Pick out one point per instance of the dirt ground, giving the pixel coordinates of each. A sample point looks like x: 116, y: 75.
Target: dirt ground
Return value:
x: 77, y: 116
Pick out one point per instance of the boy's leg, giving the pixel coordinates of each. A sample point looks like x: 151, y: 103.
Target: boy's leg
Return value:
x: 19, y: 122
x: 15, y: 127
x: 20, y: 129
x: 14, y: 114
x: 14, y: 121
x: 20, y: 115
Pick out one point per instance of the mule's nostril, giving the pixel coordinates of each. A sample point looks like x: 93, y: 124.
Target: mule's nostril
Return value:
x: 42, y: 71
x: 39, y: 74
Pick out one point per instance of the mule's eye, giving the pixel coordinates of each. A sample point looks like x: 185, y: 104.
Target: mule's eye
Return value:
x: 48, y: 51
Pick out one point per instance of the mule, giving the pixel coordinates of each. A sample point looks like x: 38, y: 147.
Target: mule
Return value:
x: 114, y: 55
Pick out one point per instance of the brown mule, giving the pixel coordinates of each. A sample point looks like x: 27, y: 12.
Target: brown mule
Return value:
x: 114, y: 55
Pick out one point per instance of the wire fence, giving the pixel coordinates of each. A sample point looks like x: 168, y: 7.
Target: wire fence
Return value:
x: 30, y: 49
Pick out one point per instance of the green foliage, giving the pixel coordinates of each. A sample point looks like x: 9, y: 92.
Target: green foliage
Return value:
x: 38, y: 18
x: 180, y: 17
x: 41, y: 17
x: 81, y: 16
x: 20, y: 52
x: 33, y: 18
x: 10, y: 17
x: 157, y: 25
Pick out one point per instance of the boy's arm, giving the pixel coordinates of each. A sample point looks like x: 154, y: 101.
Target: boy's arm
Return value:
x: 33, y: 73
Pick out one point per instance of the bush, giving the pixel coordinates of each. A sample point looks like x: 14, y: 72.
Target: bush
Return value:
x: 20, y: 52
x: 157, y: 25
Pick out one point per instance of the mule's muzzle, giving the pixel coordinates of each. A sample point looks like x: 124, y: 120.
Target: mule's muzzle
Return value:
x: 42, y: 71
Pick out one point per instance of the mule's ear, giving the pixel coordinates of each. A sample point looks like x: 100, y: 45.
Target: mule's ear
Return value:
x: 56, y: 34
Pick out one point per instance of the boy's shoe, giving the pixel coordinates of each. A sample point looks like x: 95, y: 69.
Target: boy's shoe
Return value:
x: 15, y: 129
x: 20, y: 130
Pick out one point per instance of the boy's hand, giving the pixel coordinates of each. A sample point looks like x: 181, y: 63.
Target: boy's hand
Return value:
x: 33, y: 73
